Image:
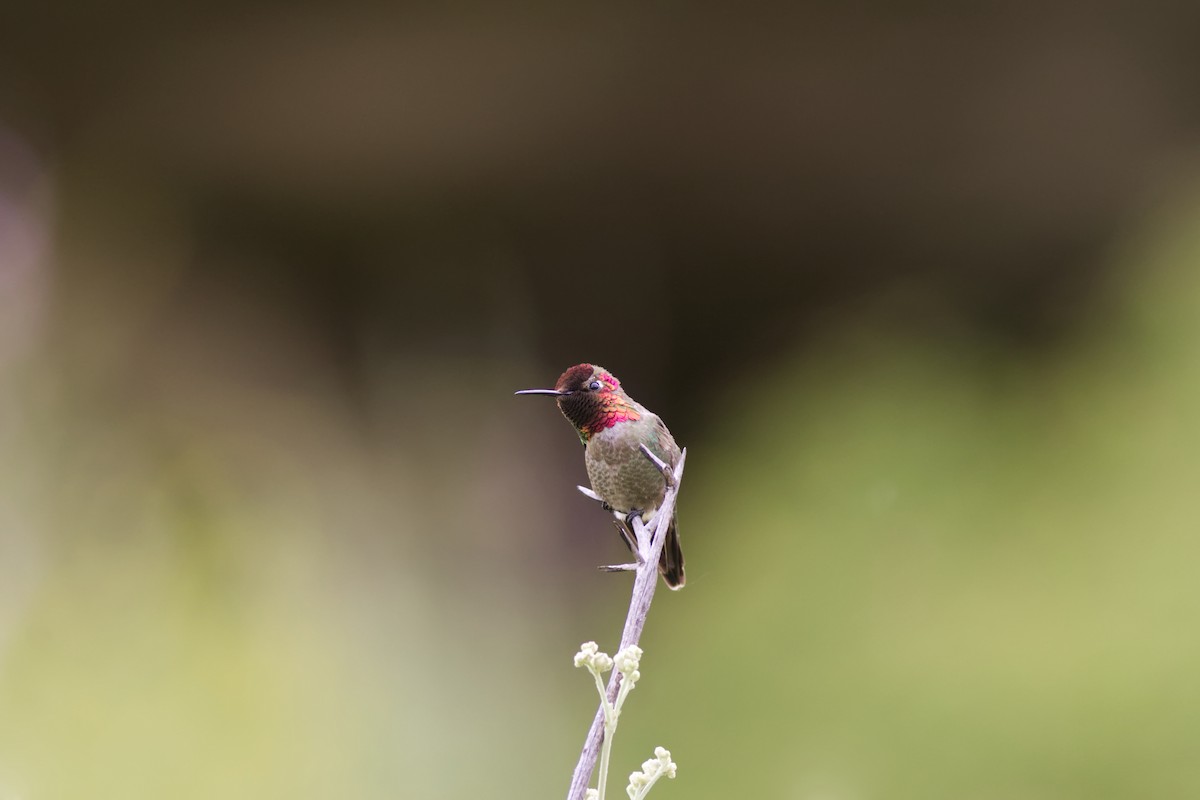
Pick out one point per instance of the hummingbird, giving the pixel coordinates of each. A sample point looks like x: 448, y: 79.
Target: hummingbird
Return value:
x: 611, y: 425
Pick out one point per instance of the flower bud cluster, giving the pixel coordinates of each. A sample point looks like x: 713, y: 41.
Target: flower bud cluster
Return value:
x: 589, y: 656
x: 652, y: 770
x: 628, y: 661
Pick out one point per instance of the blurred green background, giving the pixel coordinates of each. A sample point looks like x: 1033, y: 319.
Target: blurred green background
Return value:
x: 917, y: 286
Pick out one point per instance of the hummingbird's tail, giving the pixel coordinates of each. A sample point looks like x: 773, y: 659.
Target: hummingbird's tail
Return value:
x: 670, y: 564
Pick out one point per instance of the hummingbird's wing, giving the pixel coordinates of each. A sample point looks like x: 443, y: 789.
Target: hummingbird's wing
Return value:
x: 662, y: 443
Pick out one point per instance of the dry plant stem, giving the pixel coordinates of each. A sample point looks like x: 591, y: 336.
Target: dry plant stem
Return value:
x: 644, y: 585
x: 619, y: 522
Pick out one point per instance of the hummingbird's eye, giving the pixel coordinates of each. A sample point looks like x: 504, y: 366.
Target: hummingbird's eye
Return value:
x: 594, y: 386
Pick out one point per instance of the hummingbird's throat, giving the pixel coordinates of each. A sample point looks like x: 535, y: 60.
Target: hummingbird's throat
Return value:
x: 593, y: 413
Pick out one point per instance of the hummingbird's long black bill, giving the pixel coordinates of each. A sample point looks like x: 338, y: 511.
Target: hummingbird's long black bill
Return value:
x: 552, y: 392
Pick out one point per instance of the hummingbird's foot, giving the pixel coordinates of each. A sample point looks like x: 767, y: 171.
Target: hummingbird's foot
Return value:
x: 631, y: 531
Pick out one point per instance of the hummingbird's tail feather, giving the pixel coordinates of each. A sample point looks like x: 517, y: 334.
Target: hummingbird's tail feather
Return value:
x: 670, y: 564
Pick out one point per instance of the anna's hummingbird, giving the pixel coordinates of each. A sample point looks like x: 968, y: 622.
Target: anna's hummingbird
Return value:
x: 611, y: 425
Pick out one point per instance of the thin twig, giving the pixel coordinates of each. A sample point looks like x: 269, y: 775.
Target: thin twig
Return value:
x: 649, y: 548
x: 586, y: 492
x: 619, y: 522
x: 668, y: 476
x: 618, y: 567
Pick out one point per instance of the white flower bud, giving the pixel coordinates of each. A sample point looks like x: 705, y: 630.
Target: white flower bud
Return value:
x: 653, y: 769
x: 589, y: 656
x: 667, y: 766
x: 628, y: 660
x: 586, y: 651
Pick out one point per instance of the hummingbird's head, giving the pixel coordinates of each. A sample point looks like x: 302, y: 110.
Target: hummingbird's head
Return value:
x: 591, y: 398
x: 585, y: 378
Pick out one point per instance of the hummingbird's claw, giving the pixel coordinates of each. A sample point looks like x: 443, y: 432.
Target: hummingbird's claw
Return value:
x: 630, y: 531
x: 586, y: 492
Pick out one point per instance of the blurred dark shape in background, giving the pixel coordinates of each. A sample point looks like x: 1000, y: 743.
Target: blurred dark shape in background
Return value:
x: 915, y: 284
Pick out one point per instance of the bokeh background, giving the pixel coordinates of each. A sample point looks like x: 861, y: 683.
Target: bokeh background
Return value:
x: 916, y: 284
